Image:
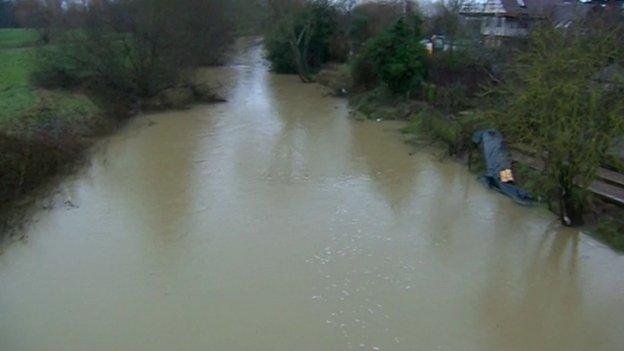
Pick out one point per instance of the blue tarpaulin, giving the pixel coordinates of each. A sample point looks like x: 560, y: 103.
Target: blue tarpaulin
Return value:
x: 497, y: 160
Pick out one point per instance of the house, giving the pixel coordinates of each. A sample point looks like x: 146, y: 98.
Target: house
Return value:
x: 500, y: 20
x: 611, y: 77
x: 570, y: 13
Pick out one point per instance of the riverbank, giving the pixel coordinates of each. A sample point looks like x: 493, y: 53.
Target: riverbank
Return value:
x: 43, y: 133
x: 198, y: 227
x: 46, y: 133
x: 453, y: 132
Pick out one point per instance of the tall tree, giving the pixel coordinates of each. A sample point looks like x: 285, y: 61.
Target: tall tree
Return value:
x: 286, y: 14
x: 446, y: 20
x: 553, y: 104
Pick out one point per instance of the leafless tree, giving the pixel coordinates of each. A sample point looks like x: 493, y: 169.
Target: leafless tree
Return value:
x: 286, y: 13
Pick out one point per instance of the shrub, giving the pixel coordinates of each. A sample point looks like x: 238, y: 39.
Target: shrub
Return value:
x: 397, y: 58
x: 135, y: 49
x: 552, y: 105
x: 460, y: 67
x: 55, y: 70
x: 279, y: 53
x: 370, y: 19
x: 27, y: 164
x: 450, y: 99
x: 414, y: 126
x: 304, y: 37
x: 455, y: 132
x: 363, y: 73
x: 443, y: 128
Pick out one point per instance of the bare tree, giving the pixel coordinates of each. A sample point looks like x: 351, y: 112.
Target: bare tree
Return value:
x: 286, y: 13
x: 446, y: 20
x: 553, y: 104
x: 44, y: 15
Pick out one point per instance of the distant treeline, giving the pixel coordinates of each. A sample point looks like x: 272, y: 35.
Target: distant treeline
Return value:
x: 7, y: 14
x: 40, y: 13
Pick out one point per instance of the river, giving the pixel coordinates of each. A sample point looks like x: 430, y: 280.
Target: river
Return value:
x: 274, y: 222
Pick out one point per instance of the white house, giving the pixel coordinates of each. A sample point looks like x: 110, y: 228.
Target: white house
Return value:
x: 497, y: 20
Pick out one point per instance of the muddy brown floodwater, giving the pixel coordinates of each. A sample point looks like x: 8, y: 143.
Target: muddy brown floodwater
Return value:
x: 274, y: 222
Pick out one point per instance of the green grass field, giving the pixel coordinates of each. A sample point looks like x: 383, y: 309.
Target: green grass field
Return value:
x: 18, y: 38
x: 16, y: 66
x: 18, y: 97
x: 16, y: 93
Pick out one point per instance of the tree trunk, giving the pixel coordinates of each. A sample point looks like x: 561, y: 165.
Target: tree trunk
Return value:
x: 570, y: 211
x: 45, y: 35
x: 302, y: 70
x: 300, y: 52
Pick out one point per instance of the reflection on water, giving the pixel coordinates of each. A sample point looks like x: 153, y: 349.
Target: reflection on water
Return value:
x: 274, y: 222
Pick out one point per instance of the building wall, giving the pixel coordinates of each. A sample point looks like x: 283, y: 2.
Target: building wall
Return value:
x: 503, y: 27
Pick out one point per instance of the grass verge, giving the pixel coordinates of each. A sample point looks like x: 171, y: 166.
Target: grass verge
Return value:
x: 18, y: 38
x: 42, y: 132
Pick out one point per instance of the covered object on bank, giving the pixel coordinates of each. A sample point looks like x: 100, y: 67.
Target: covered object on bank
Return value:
x: 498, y: 165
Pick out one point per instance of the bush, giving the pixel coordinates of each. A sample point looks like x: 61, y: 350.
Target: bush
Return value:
x: 312, y: 30
x: 363, y: 73
x: 450, y: 99
x: 442, y: 128
x: 55, y: 70
x: 459, y: 67
x: 455, y: 132
x: 337, y: 78
x: 127, y: 50
x: 552, y: 104
x: 279, y: 53
x: 28, y: 163
x: 397, y: 57
x: 370, y: 20
x: 56, y: 115
x: 382, y: 104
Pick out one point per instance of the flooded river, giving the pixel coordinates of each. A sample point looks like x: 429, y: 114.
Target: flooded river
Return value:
x: 274, y: 222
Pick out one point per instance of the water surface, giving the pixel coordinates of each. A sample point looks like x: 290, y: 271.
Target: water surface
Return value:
x: 274, y: 222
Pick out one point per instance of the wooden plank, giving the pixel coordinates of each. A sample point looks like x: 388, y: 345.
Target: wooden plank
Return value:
x: 610, y: 185
x: 608, y: 191
x: 611, y: 176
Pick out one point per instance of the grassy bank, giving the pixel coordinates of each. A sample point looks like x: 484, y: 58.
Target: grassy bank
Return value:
x: 603, y: 220
x: 17, y: 57
x: 16, y: 94
x: 18, y: 38
x: 42, y: 132
x: 45, y: 132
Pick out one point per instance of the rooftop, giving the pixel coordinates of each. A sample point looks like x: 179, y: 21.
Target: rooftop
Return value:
x: 512, y: 8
